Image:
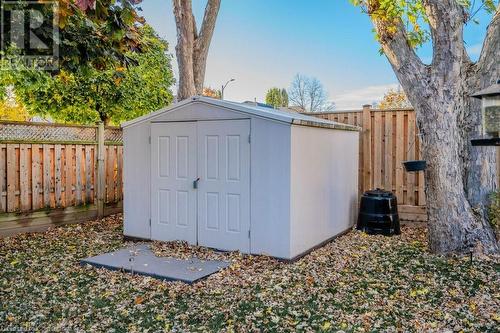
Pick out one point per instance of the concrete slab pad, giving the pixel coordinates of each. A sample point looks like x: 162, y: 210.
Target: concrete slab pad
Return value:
x: 139, y: 259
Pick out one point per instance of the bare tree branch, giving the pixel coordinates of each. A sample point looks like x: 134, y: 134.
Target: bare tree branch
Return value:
x: 297, y: 92
x: 308, y: 94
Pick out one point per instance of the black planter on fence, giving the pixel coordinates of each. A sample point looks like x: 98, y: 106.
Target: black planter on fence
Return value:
x: 415, y: 166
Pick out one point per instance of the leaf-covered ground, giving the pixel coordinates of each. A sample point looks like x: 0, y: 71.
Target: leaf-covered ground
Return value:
x: 357, y: 283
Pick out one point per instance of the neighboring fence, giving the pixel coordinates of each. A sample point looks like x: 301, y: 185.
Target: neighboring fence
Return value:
x: 51, y: 174
x: 389, y: 137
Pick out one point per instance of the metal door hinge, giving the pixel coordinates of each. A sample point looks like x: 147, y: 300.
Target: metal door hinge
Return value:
x: 149, y: 222
x: 248, y: 233
x: 150, y: 140
x: 249, y: 138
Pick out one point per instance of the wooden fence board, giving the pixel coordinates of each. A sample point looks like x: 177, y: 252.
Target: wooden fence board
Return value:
x: 89, y: 170
x: 110, y: 174
x: 367, y: 151
x: 11, y: 178
x: 420, y: 179
x: 377, y: 149
x: 58, y: 179
x: 24, y: 174
x: 119, y: 173
x: 46, y: 175
x: 68, y: 174
x: 388, y: 153
x: 399, y: 155
x: 410, y: 176
x: 78, y: 174
x: 3, y: 177
x: 36, y: 177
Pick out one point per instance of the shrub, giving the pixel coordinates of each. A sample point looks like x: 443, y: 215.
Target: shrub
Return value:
x: 494, y: 211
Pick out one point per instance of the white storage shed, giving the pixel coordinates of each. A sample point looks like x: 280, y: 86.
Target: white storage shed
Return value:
x: 235, y: 176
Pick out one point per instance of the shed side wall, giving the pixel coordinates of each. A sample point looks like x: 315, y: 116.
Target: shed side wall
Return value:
x: 136, y: 179
x: 270, y: 188
x: 324, y: 185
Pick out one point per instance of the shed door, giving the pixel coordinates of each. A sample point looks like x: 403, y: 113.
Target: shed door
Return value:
x: 173, y: 169
x: 224, y: 187
x: 216, y: 213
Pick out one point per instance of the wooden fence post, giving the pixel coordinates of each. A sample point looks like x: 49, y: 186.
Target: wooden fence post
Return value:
x: 101, y: 174
x: 367, y: 147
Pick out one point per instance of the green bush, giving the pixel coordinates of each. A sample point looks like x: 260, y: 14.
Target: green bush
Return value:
x: 494, y: 211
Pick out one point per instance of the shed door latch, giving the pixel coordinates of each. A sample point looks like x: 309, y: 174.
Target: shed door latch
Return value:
x: 195, y: 183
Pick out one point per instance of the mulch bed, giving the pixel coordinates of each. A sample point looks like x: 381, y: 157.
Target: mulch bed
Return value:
x: 356, y: 283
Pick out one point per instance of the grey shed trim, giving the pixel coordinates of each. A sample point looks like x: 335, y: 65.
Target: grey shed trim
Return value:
x: 277, y: 115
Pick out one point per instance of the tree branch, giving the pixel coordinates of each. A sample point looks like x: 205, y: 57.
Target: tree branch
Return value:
x: 489, y: 58
x: 446, y: 20
x: 202, y: 42
x: 185, y: 44
x: 406, y: 64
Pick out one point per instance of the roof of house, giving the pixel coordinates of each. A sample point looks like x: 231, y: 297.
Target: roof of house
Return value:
x: 263, y: 112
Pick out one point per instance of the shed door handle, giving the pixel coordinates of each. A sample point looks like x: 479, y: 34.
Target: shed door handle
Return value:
x: 195, y: 183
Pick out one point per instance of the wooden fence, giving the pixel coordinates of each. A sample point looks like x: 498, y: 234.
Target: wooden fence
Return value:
x: 52, y: 174
x: 389, y: 137
x: 49, y: 174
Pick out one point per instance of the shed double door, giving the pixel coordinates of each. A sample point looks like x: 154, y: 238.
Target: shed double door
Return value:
x: 200, y: 183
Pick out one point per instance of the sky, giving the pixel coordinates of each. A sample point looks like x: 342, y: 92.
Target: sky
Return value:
x: 265, y: 43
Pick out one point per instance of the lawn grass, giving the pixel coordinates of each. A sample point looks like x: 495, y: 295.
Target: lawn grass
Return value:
x: 357, y: 283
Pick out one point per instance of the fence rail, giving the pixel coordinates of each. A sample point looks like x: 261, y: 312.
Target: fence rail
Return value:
x: 55, y: 167
x: 389, y: 137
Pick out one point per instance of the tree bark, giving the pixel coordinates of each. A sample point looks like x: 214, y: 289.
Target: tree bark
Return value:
x: 192, y: 48
x: 459, y: 177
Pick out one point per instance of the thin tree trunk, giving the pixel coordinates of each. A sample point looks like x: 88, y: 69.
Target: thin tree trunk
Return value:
x: 482, y: 160
x: 192, y: 48
x: 184, y: 49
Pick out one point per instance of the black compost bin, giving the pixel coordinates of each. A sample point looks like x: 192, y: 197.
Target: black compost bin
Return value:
x: 378, y: 213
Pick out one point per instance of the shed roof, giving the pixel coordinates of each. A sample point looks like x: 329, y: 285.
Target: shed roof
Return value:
x: 262, y: 112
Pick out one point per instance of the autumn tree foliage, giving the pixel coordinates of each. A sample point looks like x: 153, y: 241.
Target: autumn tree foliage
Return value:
x: 211, y: 92
x: 10, y: 108
x: 394, y: 99
x: 112, y: 67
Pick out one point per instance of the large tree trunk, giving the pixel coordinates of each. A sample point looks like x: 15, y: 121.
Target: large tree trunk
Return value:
x: 459, y: 177
x: 192, y: 48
